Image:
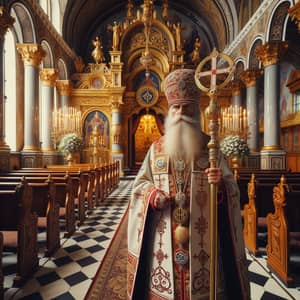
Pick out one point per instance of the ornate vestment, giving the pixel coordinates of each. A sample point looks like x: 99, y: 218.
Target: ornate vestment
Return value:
x: 152, y: 272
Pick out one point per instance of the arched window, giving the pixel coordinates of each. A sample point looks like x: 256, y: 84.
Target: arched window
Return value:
x: 10, y: 90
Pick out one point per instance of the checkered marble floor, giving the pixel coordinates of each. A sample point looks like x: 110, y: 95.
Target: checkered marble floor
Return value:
x: 70, y: 271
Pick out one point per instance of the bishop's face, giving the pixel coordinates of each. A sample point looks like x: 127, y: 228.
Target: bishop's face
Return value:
x: 183, y: 110
x: 182, y: 131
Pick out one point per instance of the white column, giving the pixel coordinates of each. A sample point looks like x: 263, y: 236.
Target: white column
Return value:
x: 64, y: 88
x: 32, y: 55
x: 48, y: 78
x: 272, y: 155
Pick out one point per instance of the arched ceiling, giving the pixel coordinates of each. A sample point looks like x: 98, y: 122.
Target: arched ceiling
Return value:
x: 217, y: 19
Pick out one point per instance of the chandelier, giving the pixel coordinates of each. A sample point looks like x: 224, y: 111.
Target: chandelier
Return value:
x: 234, y: 121
x: 147, y: 18
x: 66, y: 119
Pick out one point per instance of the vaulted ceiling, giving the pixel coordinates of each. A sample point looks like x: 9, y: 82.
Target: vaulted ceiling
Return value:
x: 217, y: 19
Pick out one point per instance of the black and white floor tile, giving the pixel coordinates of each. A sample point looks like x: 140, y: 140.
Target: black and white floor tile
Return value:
x: 70, y: 271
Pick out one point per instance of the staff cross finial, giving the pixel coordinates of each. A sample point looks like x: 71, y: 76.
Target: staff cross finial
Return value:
x: 214, y: 71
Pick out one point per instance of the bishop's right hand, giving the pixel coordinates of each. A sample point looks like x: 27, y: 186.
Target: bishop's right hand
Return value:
x: 160, y: 199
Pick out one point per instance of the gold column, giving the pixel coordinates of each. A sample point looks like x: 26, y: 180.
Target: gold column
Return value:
x: 294, y: 13
x: 6, y: 22
x: 32, y: 55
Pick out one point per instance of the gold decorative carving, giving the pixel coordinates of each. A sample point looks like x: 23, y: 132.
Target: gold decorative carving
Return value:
x: 270, y: 53
x: 157, y: 41
x: 49, y: 76
x: 250, y: 218
x: 79, y: 65
x: 31, y: 148
x: 115, y: 106
x: 270, y: 148
x: 97, y: 52
x: 249, y: 77
x: 6, y: 22
x: 64, y: 87
x: 294, y: 13
x: 236, y: 86
x: 32, y: 54
x: 98, y: 76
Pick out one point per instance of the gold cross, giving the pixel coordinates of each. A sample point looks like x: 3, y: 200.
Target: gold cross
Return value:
x: 214, y: 71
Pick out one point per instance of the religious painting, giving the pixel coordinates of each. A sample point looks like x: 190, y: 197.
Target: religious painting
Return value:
x: 96, y: 119
x: 286, y: 98
x: 97, y: 83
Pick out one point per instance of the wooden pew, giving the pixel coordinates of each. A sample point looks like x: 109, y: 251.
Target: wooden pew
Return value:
x: 64, y: 194
x: 65, y: 198
x: 260, y: 203
x: 250, y: 219
x: 18, y: 225
x: 47, y: 208
x: 76, y: 178
x: 283, y: 224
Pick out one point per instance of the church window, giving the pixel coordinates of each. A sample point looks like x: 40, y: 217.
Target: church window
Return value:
x: 296, y: 102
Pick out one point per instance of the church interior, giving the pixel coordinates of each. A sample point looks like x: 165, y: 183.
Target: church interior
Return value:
x: 81, y: 101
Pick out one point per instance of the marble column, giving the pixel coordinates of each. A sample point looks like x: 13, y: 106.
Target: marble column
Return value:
x: 117, y: 153
x: 64, y: 88
x: 272, y: 155
x: 6, y: 22
x: 32, y: 55
x: 236, y: 86
x: 249, y: 78
x: 48, y: 78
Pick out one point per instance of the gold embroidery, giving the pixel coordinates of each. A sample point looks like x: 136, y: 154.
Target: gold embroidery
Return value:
x: 161, y: 164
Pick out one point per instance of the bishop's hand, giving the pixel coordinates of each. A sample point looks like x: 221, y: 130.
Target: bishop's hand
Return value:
x: 159, y: 199
x: 214, y: 175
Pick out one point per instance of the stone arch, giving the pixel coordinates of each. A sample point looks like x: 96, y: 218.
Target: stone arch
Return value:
x: 48, y: 58
x: 253, y: 61
x: 277, y: 22
x: 23, y: 26
x: 62, y: 70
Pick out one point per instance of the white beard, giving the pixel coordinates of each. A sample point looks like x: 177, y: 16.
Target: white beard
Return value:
x: 182, y: 137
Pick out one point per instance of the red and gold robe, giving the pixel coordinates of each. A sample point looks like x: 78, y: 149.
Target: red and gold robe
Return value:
x: 151, y: 271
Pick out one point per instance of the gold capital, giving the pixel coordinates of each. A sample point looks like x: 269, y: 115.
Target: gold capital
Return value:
x: 236, y: 86
x: 64, y: 87
x: 32, y: 54
x: 6, y: 21
x: 269, y: 53
x: 49, y: 76
x: 294, y: 12
x: 249, y: 77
